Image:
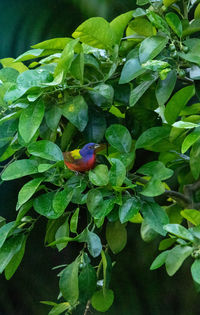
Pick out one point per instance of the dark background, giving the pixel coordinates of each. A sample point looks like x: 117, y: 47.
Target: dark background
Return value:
x: 137, y: 290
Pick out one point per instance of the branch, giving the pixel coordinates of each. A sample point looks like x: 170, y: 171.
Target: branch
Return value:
x: 87, y: 308
x: 180, y: 198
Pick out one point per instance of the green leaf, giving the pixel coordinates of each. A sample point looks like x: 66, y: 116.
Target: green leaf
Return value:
x: 190, y: 139
x: 89, y: 34
x: 46, y: 149
x: 157, y: 169
x: 54, y: 43
x: 76, y: 110
x: 192, y: 28
x: 119, y: 23
x: 131, y: 70
x: 102, y: 300
x: 74, y: 221
x: 62, y: 231
x: 107, y: 269
x: 159, y: 260
x: 96, y: 127
x: 27, y: 80
x: 191, y: 215
x: 10, y: 247
x: 102, y: 94
x: 77, y: 67
x: 151, y: 47
x: 167, y: 3
x: 69, y: 282
x: 158, y: 22
x: 165, y: 87
x: 175, y: 23
x: 195, y: 270
x: 155, y: 65
x: 152, y: 136
x: 20, y: 168
x: 178, y: 102
x: 176, y: 257
x: 166, y: 243
x: 180, y: 231
x: 116, y: 236
x: 66, y: 59
x: 8, y: 75
x: 99, y: 175
x: 117, y: 172
x: 94, y: 244
x: 128, y: 209
x: 15, y: 261
x: 147, y: 233
x: 119, y: 137
x: 52, y: 117
x: 140, y: 26
x: 137, y: 92
x: 155, y: 216
x: 4, y: 231
x: 30, y: 120
x: 195, y: 159
x: 184, y: 124
x: 52, y: 205
x: 94, y: 200
x: 87, y: 283
x: 27, y: 191
x: 60, y: 308
x: 30, y: 54
x: 153, y: 188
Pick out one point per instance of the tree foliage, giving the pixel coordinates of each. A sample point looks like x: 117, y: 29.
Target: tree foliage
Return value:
x: 133, y: 84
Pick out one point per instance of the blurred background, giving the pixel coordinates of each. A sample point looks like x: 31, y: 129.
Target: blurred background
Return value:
x: 138, y: 291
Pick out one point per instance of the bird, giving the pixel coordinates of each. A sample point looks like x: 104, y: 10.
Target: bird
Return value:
x: 82, y: 160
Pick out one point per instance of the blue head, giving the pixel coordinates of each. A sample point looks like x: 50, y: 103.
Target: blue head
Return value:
x: 89, y: 149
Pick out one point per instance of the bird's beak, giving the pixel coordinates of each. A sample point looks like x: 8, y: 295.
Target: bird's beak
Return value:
x: 99, y: 147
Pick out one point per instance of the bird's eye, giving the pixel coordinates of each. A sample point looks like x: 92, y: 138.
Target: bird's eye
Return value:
x: 90, y: 147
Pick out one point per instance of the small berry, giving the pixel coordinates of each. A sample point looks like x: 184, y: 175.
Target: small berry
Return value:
x: 172, y: 47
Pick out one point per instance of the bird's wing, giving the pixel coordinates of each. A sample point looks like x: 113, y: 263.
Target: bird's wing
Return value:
x: 72, y: 156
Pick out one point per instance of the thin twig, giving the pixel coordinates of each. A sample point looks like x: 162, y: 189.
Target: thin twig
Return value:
x: 87, y: 308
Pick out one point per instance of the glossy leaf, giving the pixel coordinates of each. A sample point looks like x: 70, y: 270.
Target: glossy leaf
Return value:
x: 89, y: 34
x: 76, y: 110
x: 46, y: 149
x: 191, y: 215
x: 159, y: 260
x: 131, y: 70
x: 69, y: 282
x: 30, y: 120
x: 151, y: 47
x: 19, y: 169
x: 117, y: 172
x: 15, y: 261
x: 128, y: 209
x: 102, y: 300
x: 119, y: 23
x: 53, y: 43
x: 195, y: 159
x: 152, y: 136
x: 4, y: 232
x: 59, y: 308
x: 175, y: 23
x: 74, y: 221
x: 137, y: 92
x: 195, y: 270
x: 10, y: 247
x: 165, y: 87
x: 99, y: 175
x: 177, y: 103
x: 157, y: 169
x: 87, y: 283
x: 176, y: 257
x: 27, y: 191
x: 155, y: 216
x: 116, y: 236
x: 119, y: 137
x: 94, y: 244
x: 62, y: 231
x: 179, y: 230
x: 190, y: 139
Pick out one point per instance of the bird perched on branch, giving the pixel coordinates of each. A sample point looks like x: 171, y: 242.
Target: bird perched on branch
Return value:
x: 84, y: 159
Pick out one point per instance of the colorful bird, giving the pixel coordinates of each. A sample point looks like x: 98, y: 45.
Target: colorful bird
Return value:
x: 82, y: 160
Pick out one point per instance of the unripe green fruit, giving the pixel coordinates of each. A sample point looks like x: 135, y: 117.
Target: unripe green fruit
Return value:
x: 172, y: 47
x: 174, y: 54
x: 181, y: 73
x: 185, y: 49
